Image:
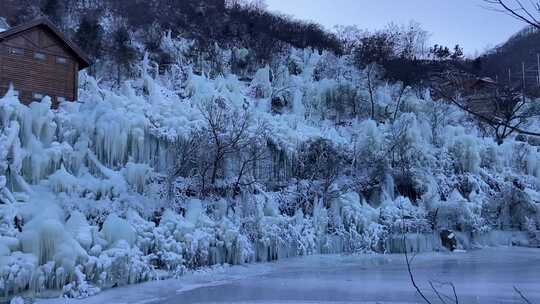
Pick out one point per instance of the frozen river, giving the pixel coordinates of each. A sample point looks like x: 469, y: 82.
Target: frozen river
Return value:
x: 482, y: 276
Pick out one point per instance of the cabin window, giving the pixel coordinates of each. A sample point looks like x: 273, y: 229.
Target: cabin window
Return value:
x: 61, y: 60
x: 40, y: 56
x: 16, y: 51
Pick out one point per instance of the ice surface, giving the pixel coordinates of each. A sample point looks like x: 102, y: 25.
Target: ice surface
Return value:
x: 482, y: 276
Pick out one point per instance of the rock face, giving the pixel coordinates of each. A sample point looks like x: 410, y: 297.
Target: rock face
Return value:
x: 448, y: 239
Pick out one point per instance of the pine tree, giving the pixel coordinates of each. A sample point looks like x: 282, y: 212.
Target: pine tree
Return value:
x: 458, y: 53
x: 123, y: 53
x: 89, y: 36
x: 440, y: 52
x: 53, y: 10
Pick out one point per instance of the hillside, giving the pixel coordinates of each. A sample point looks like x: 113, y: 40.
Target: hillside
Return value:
x: 522, y: 49
x: 221, y: 157
x: 112, y: 30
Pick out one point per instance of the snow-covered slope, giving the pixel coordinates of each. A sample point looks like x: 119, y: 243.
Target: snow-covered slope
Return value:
x: 97, y: 193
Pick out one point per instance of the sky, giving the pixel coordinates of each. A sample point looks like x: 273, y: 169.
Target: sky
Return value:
x: 450, y: 22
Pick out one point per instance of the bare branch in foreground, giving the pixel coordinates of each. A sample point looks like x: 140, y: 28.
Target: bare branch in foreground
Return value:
x: 522, y: 296
x: 519, y: 12
x: 411, y: 276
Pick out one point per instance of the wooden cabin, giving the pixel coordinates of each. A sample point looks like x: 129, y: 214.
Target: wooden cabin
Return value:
x: 479, y: 86
x: 38, y: 60
x: 482, y: 95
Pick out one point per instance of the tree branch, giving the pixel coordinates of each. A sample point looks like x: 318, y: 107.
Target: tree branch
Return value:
x: 526, y: 16
x: 522, y: 296
x: 483, y: 117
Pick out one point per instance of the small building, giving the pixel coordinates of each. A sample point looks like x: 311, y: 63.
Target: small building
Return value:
x: 479, y: 86
x: 38, y: 61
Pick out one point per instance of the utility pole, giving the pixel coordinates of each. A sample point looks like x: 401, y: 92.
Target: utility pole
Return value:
x: 509, y: 77
x: 523, y: 85
x: 538, y: 68
x: 523, y: 74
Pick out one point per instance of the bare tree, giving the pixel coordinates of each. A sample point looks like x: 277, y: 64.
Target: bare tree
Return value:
x: 255, y: 153
x: 184, y: 153
x: 349, y: 36
x: 412, y: 40
x: 518, y: 10
x: 398, y: 98
x: 226, y: 133
x: 379, y: 47
x: 320, y: 164
x: 370, y: 83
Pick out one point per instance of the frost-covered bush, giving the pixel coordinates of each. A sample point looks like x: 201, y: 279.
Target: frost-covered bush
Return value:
x: 456, y: 213
x: 464, y: 149
x: 356, y: 221
x: 166, y: 250
x: 330, y: 66
x: 16, y: 272
x: 320, y: 159
x: 79, y: 288
x: 512, y: 208
x: 260, y: 86
x: 343, y: 101
x: 240, y: 60
x: 319, y: 164
x: 409, y: 144
x: 369, y: 144
x: 401, y: 216
x: 120, y: 265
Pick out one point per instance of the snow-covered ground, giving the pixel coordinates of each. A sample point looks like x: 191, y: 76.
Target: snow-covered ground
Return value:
x: 481, y: 276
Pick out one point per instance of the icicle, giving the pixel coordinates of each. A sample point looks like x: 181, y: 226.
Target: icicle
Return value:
x: 388, y: 189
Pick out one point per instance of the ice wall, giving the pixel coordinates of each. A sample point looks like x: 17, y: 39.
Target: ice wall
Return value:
x: 79, y: 210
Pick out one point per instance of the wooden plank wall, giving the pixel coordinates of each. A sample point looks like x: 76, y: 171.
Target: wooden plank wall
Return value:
x: 31, y: 75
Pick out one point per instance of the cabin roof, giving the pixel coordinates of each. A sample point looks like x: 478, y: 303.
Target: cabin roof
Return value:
x: 82, y: 58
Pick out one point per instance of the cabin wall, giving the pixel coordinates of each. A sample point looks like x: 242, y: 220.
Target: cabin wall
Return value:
x: 38, y: 64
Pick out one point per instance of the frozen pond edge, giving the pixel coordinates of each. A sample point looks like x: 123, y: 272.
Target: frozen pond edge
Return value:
x: 210, y: 280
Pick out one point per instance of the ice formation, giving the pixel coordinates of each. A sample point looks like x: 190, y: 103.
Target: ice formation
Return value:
x: 83, y: 204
